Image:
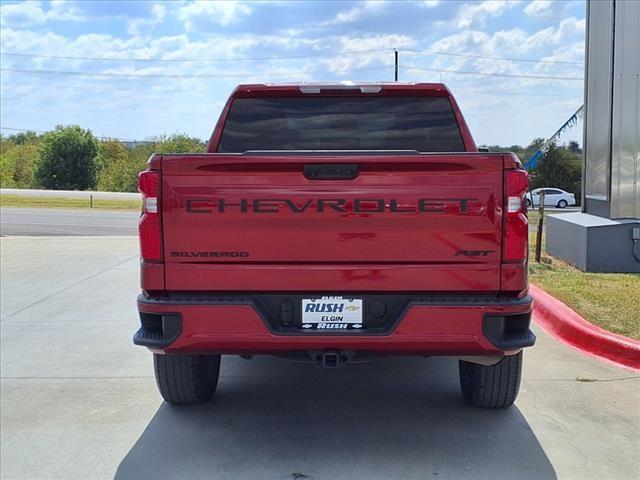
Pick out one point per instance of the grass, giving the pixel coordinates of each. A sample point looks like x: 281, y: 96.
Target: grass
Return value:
x: 609, y: 300
x: 534, y: 216
x: 62, y: 202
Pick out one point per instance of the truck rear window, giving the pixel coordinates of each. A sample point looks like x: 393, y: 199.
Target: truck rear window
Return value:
x: 425, y: 124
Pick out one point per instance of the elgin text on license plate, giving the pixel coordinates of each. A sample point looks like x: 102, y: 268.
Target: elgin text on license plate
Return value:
x: 332, y: 313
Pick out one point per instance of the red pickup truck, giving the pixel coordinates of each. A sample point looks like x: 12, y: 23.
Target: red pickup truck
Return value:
x: 336, y: 224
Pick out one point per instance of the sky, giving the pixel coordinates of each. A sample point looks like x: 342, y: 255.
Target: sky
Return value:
x: 136, y: 69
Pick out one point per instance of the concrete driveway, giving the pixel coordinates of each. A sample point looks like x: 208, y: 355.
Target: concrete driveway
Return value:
x: 79, y: 400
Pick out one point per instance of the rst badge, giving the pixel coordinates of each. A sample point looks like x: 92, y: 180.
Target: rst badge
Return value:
x: 332, y: 313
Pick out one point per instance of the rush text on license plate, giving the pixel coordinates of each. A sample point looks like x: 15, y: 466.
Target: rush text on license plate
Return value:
x: 332, y: 313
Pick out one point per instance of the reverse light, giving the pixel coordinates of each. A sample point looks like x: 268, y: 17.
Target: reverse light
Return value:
x: 149, y: 227
x: 516, y: 225
x: 150, y: 205
x: 514, y: 204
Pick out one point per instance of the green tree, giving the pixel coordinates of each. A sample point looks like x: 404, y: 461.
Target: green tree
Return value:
x: 25, y: 137
x: 119, y: 167
x: 18, y: 166
x: 559, y: 168
x: 178, y: 143
x: 18, y: 160
x: 6, y: 166
x: 574, y: 147
x: 109, y: 151
x: 532, y: 148
x: 67, y: 159
x: 114, y: 168
x: 6, y: 173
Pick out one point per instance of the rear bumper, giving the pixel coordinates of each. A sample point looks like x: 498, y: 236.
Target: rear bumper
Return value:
x: 416, y: 325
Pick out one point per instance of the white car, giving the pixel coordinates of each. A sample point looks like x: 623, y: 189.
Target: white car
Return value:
x: 553, y: 197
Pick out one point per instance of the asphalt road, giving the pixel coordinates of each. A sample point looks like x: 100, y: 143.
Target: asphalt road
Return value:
x: 79, y: 400
x: 58, y: 221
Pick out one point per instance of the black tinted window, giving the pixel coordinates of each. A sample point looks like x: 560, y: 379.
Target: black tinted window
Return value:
x: 425, y: 124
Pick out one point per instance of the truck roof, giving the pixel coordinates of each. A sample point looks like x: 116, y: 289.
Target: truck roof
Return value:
x: 437, y: 89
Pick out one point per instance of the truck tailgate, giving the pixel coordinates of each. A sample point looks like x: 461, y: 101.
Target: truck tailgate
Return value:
x: 423, y: 222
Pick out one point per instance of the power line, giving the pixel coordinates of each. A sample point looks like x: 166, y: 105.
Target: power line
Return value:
x: 177, y: 60
x: 154, y: 75
x: 286, y: 57
x: 515, y: 94
x: 100, y: 138
x: 468, y: 55
x: 190, y: 90
x: 292, y: 74
x: 508, y: 75
x: 98, y: 89
x: 21, y: 130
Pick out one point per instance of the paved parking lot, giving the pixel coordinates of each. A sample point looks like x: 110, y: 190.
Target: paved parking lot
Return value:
x: 79, y: 400
x: 65, y: 222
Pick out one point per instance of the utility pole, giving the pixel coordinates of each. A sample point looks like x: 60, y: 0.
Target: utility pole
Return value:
x: 395, y: 51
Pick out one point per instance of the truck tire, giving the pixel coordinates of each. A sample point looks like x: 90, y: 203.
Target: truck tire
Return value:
x: 494, y: 386
x: 186, y: 379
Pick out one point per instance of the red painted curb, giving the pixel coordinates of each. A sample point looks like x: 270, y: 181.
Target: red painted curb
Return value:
x: 563, y: 323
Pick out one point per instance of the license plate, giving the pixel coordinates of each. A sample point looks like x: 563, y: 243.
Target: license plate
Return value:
x: 332, y: 313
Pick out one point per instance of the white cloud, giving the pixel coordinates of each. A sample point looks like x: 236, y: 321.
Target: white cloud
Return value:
x: 539, y: 8
x: 357, y: 12
x: 33, y: 13
x: 549, y: 8
x: 515, y: 41
x: 474, y: 15
x: 64, y: 10
x: 563, y: 42
x: 136, y: 26
x: 221, y: 12
x: 165, y: 47
x: 22, y: 14
x: 430, y: 3
x: 375, y: 42
x: 569, y: 30
x: 373, y: 46
x: 567, y: 53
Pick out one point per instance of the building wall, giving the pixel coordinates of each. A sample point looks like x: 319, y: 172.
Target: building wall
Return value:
x: 612, y: 109
x: 598, y: 88
x: 625, y: 147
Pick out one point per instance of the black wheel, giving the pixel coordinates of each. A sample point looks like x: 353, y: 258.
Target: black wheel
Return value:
x: 527, y: 202
x: 494, y: 386
x: 186, y: 379
x: 562, y: 204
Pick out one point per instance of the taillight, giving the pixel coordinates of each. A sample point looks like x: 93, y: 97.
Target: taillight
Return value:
x: 516, y: 225
x: 149, y: 225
